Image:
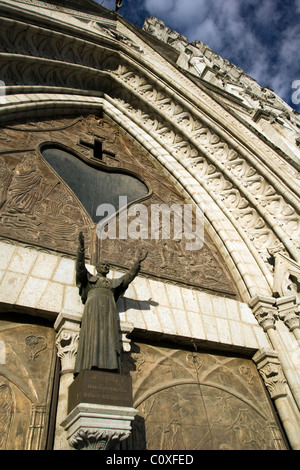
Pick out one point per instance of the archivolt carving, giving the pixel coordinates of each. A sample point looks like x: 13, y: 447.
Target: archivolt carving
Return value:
x: 61, y: 60
x: 220, y: 166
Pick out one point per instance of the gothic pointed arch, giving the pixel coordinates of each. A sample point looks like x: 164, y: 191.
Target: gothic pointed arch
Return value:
x: 214, y: 157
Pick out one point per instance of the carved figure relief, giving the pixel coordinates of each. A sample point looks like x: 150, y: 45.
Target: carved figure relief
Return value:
x: 46, y: 199
x: 26, y: 379
x: 199, y: 401
x: 6, y: 412
x: 35, y: 345
x: 248, y: 195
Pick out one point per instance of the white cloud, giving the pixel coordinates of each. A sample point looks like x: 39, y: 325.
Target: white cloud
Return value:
x: 217, y: 23
x: 242, y: 32
x: 260, y: 36
x: 185, y: 14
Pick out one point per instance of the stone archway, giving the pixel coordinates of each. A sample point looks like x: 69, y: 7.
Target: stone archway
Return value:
x: 217, y: 160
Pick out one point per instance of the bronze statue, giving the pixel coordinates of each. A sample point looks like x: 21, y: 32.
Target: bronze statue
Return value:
x: 99, y: 344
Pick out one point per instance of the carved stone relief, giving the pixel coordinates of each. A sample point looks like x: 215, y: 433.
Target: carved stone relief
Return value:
x: 25, y: 384
x: 254, y: 200
x: 38, y: 207
x: 198, y: 401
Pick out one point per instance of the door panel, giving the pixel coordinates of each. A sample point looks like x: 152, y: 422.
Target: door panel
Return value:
x: 199, y: 401
x: 26, y: 377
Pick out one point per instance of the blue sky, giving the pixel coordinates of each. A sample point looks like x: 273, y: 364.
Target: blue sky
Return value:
x: 260, y: 36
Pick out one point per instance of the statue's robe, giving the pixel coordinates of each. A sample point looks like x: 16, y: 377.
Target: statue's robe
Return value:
x: 99, y: 343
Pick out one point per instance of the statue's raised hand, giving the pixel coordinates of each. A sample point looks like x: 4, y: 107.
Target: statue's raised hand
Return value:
x: 142, y: 256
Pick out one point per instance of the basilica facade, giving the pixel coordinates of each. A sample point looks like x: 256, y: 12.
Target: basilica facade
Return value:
x: 96, y: 114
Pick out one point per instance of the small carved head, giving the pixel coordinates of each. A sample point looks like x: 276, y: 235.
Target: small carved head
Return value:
x: 103, y: 268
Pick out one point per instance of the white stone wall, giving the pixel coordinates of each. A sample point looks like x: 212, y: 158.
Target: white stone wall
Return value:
x: 45, y: 284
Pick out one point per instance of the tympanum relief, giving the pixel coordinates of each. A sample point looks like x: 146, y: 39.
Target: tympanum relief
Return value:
x: 43, y: 201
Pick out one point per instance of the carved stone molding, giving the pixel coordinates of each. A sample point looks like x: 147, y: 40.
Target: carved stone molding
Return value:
x: 270, y: 369
x: 265, y: 311
x: 98, y: 427
x: 285, y: 270
x: 232, y: 86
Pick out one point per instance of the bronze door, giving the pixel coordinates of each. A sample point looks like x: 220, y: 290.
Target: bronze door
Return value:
x: 199, y: 401
x: 26, y: 379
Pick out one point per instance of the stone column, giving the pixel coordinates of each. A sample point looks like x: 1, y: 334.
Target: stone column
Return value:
x: 288, y: 312
x: 67, y: 327
x: 268, y: 364
x: 266, y: 313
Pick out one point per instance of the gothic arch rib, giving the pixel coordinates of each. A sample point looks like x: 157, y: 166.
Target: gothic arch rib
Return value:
x: 201, y: 147
x: 248, y: 208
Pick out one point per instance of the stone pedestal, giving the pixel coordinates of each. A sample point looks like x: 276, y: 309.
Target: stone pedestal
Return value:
x: 100, y: 410
x: 98, y: 427
x: 100, y: 388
